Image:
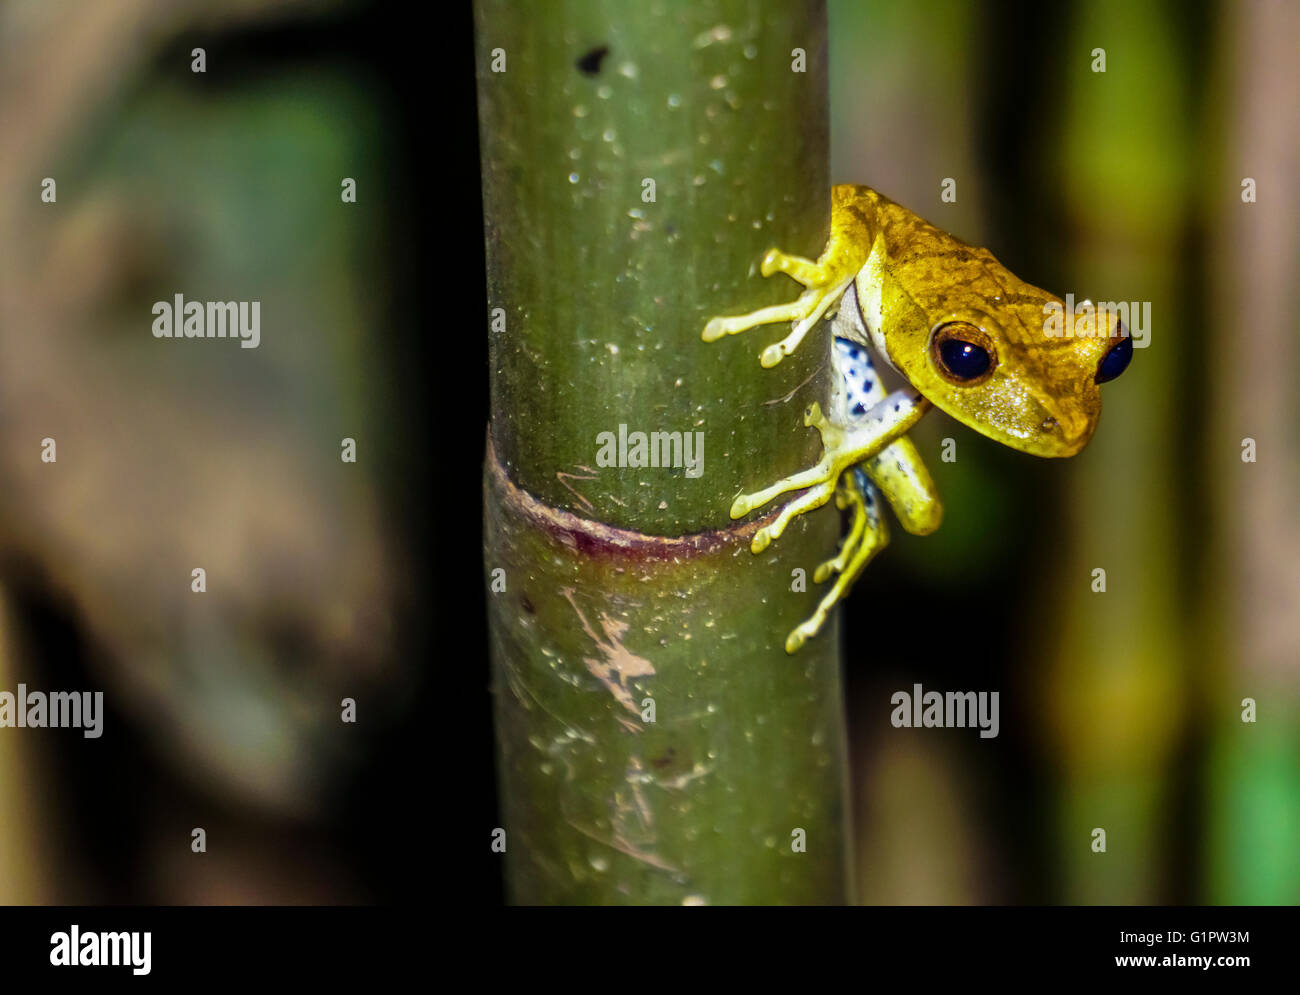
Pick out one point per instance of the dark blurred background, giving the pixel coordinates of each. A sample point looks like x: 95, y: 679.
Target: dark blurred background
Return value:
x: 325, y: 580
x: 1119, y: 710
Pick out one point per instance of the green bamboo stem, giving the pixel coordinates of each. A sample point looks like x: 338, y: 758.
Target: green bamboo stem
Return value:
x: 616, y: 585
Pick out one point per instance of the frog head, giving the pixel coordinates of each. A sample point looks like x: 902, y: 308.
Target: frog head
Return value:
x: 1005, y: 359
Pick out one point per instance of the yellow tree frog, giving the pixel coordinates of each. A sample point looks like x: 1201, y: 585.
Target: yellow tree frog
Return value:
x: 965, y: 334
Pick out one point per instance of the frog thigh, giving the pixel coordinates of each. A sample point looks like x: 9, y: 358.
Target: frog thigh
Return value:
x: 902, y: 477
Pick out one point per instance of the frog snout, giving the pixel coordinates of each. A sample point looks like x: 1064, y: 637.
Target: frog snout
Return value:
x: 1065, y: 434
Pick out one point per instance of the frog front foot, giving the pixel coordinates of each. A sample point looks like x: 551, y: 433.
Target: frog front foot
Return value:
x: 842, y: 447
x: 820, y: 480
x: 825, y: 282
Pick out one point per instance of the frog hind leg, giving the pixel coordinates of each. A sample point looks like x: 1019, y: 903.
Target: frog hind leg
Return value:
x: 895, y: 475
x: 868, y: 534
x: 900, y: 475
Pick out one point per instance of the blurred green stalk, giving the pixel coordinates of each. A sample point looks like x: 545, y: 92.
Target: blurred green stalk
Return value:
x: 1252, y: 773
x: 1117, y: 702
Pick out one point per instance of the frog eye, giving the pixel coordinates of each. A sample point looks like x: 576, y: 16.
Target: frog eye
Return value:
x: 1116, y: 359
x: 963, y: 353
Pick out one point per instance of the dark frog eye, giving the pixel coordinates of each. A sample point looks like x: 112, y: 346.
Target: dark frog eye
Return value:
x: 963, y: 353
x: 1116, y: 359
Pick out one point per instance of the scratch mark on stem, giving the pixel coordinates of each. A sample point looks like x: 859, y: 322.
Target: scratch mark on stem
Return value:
x: 564, y: 479
x: 622, y: 846
x: 784, y: 400
x: 619, y: 663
